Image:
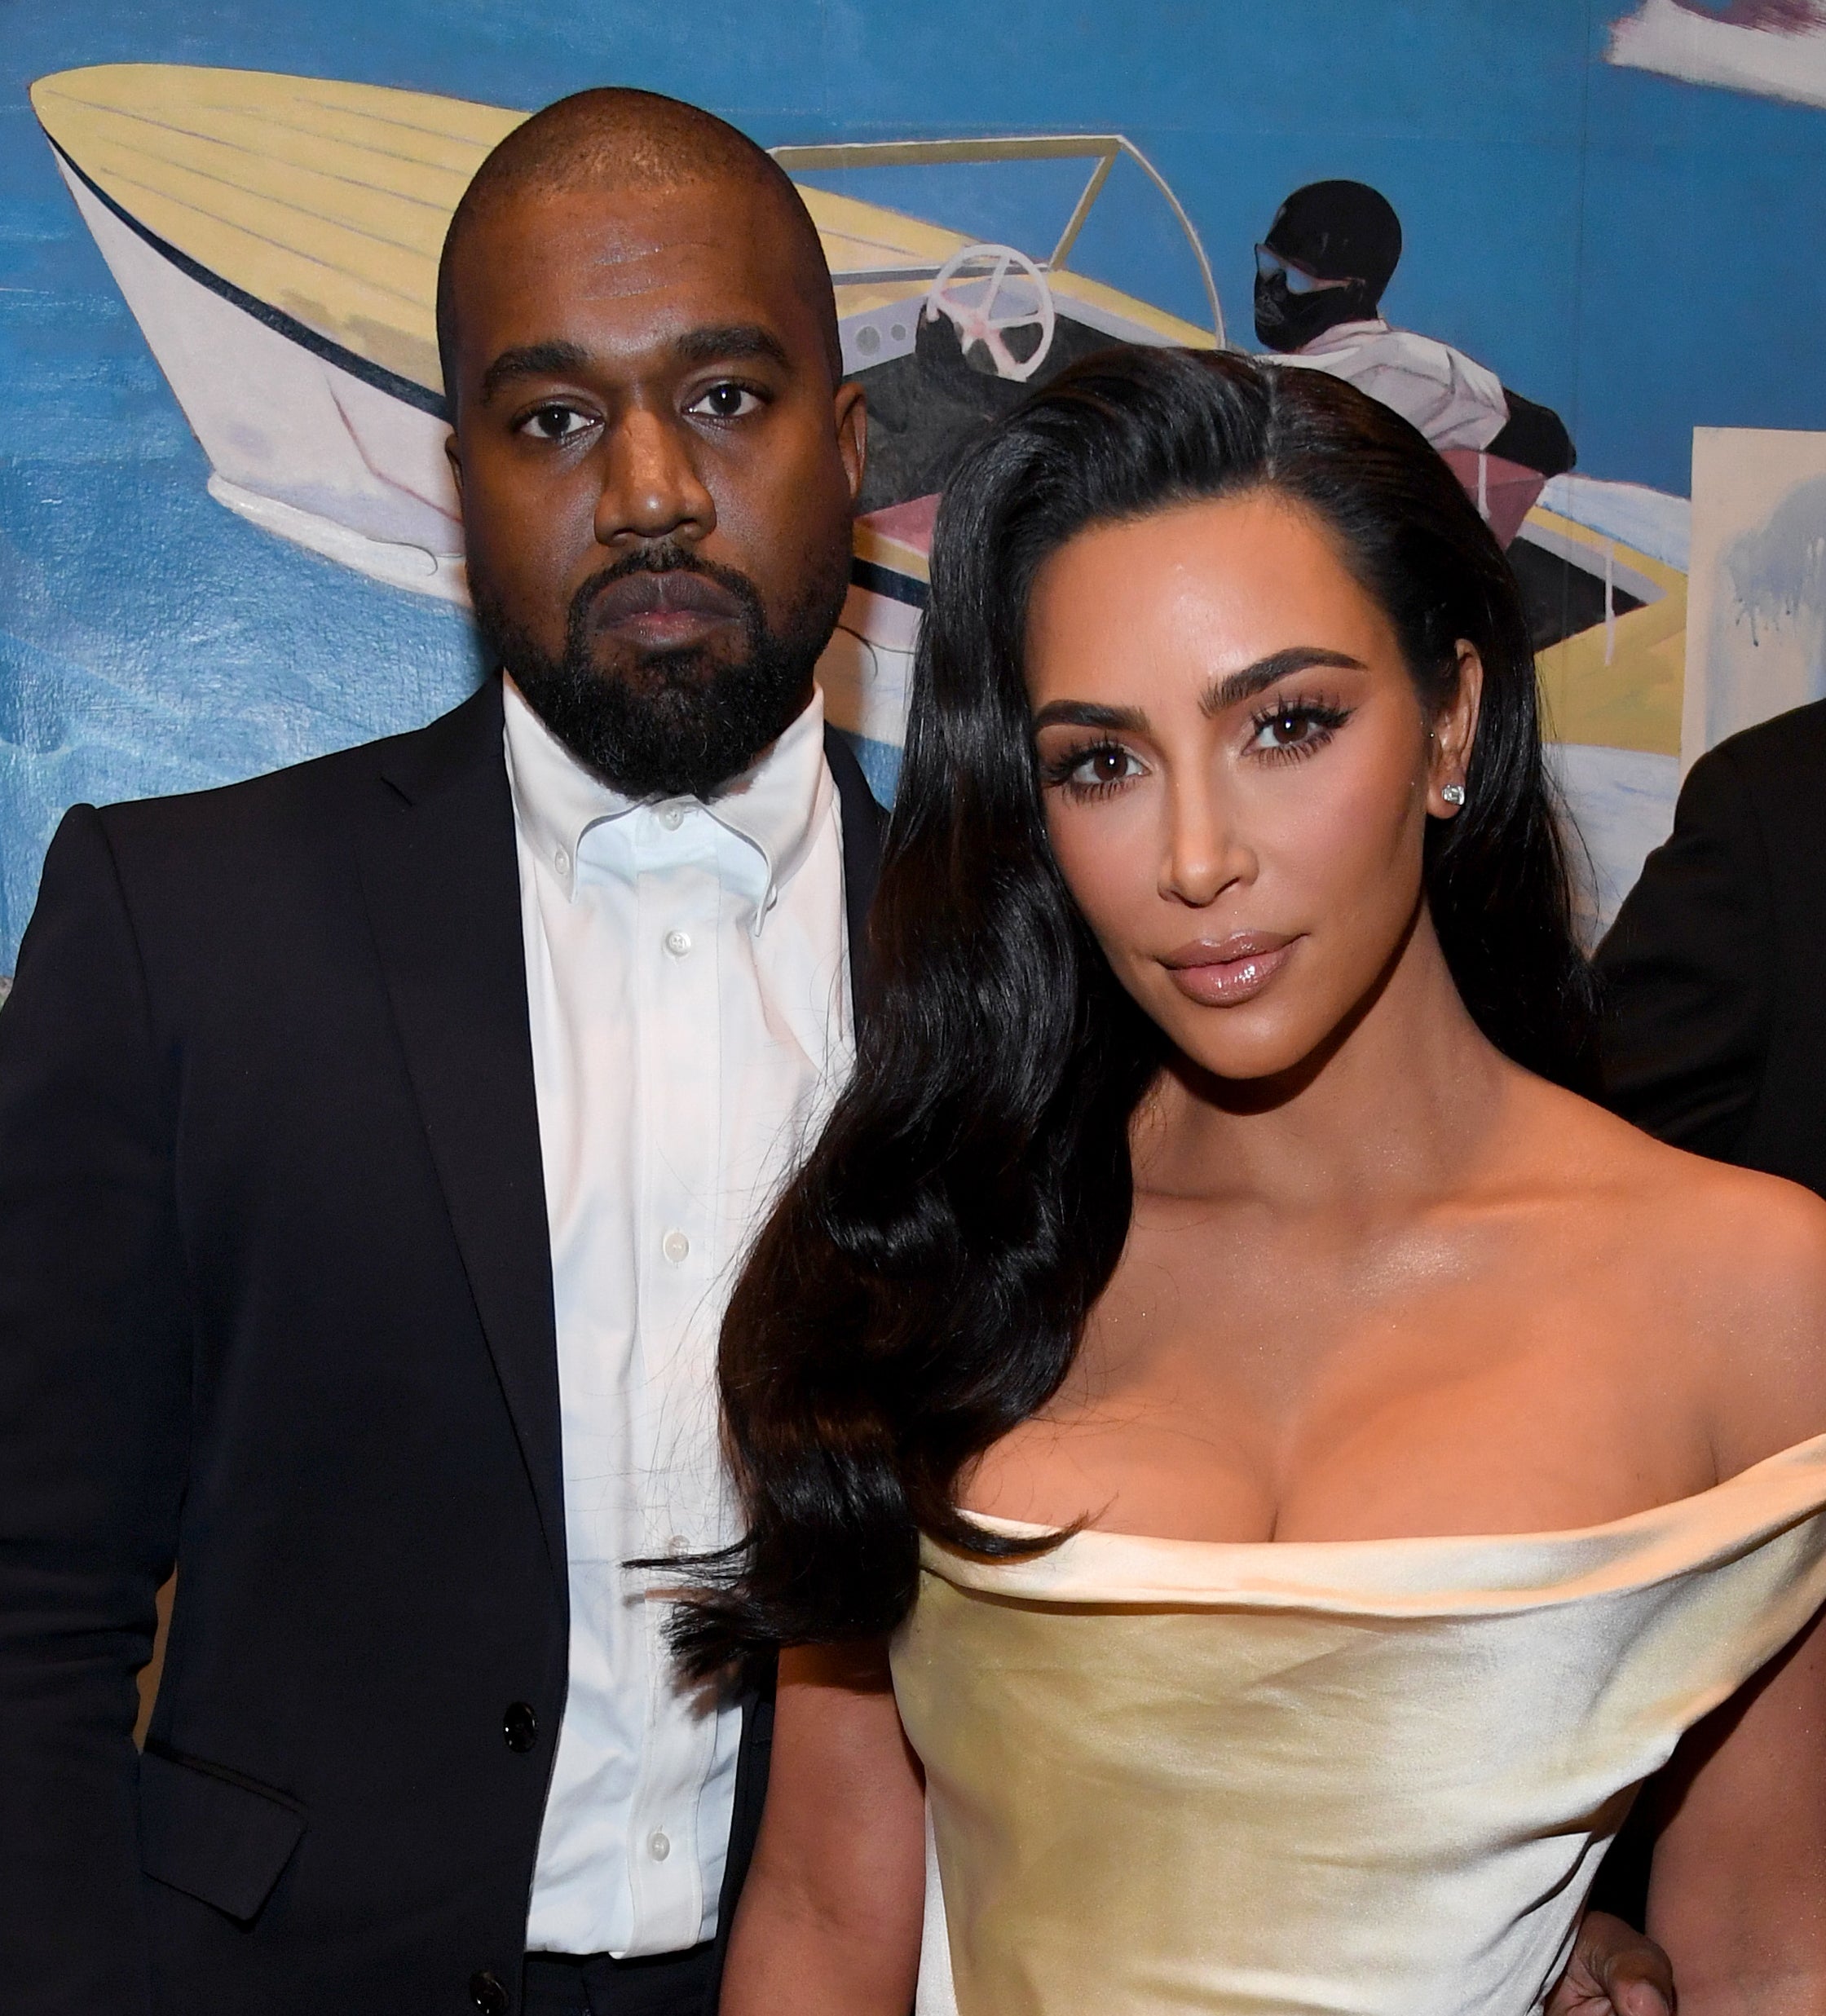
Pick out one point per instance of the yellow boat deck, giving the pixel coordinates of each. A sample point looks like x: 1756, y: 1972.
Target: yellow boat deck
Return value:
x: 329, y: 201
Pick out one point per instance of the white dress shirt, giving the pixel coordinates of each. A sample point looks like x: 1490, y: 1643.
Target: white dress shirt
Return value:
x: 687, y: 977
x: 1455, y: 401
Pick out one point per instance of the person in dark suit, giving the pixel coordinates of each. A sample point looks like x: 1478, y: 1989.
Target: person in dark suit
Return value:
x: 1714, y: 978
x: 373, y: 1139
x: 1715, y: 969
x: 376, y: 1140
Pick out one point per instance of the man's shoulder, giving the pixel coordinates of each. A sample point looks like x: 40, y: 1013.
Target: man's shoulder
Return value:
x: 1777, y: 753
x: 307, y: 798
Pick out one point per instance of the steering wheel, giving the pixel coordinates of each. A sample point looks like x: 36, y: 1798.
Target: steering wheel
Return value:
x: 972, y: 305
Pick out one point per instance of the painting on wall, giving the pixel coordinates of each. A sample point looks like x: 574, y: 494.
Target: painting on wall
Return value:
x: 277, y: 239
x: 1756, y: 641
x: 1775, y: 47
x: 228, y: 534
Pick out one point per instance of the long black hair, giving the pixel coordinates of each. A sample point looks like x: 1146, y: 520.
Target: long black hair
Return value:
x: 921, y: 1287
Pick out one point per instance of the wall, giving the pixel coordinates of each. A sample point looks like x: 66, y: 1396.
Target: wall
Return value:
x: 1640, y: 251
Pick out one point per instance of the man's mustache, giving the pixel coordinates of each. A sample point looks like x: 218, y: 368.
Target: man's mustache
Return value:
x: 664, y: 577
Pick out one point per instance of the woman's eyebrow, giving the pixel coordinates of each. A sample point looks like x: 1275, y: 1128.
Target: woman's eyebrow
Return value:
x: 1226, y: 691
x: 1087, y: 714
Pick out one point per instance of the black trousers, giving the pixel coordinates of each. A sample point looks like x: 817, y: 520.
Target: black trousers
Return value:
x: 664, y: 1984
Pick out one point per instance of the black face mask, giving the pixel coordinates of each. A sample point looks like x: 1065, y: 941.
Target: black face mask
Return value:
x: 1287, y: 321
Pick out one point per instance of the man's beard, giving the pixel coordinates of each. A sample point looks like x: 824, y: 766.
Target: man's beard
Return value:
x: 668, y: 724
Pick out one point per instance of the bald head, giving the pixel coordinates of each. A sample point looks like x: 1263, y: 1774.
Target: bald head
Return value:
x: 615, y: 140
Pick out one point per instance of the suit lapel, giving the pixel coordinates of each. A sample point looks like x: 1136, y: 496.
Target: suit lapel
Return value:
x: 441, y: 879
x: 440, y: 876
x: 864, y: 822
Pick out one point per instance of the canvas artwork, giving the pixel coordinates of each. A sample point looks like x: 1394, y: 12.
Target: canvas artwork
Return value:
x: 1756, y: 626
x: 1777, y: 47
x: 241, y: 252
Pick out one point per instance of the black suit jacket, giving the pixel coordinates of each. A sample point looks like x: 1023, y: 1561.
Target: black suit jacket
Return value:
x: 276, y: 1306
x: 1715, y: 1036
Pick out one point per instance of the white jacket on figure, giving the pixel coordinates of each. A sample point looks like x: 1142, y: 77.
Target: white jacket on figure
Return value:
x: 1456, y: 402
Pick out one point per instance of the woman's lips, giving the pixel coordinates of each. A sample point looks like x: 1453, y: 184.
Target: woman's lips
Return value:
x: 1223, y: 973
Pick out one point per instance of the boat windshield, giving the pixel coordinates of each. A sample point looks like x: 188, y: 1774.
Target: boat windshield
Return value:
x: 1089, y: 211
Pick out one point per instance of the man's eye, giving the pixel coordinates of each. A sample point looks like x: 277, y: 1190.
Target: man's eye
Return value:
x: 554, y: 423
x: 726, y: 402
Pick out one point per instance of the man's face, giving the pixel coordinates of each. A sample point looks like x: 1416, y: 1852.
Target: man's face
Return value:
x: 657, y: 473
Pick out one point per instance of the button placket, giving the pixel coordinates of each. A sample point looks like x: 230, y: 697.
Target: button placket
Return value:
x: 680, y: 1136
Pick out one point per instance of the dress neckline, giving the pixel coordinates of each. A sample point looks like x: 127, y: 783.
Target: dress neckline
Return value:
x: 1401, y: 1575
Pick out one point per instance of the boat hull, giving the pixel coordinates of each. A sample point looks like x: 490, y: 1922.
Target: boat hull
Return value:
x: 298, y: 443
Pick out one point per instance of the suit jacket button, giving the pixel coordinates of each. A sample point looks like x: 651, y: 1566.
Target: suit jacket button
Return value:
x: 487, y: 1994
x: 520, y: 1726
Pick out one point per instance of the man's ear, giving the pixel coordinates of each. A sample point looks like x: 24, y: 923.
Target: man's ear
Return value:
x: 852, y: 433
x: 456, y: 460
x: 1455, y: 734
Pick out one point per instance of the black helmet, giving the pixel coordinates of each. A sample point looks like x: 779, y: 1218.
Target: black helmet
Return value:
x: 1340, y: 231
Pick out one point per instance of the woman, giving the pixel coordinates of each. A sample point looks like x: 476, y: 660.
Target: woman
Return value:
x: 1211, y: 1247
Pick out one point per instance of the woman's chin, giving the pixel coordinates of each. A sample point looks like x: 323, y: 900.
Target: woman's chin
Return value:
x: 1249, y: 1060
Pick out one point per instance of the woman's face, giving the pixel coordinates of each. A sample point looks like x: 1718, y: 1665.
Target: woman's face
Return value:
x: 1237, y: 771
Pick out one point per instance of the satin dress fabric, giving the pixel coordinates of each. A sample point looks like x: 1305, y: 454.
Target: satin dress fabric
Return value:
x: 1365, y: 1776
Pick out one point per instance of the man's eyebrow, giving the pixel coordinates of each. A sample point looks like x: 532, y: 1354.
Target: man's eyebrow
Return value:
x: 555, y: 359
x: 1234, y: 686
x: 1122, y: 721
x: 731, y: 343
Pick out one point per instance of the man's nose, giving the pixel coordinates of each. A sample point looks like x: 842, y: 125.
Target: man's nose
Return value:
x: 650, y: 488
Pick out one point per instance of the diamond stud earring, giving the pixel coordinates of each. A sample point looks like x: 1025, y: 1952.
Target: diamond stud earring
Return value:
x: 1454, y: 794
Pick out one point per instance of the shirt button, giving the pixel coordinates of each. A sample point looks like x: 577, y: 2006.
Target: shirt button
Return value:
x: 675, y: 1246
x: 678, y: 943
x: 561, y: 861
x: 520, y: 1727
x: 658, y: 1846
x: 487, y: 1994
x: 672, y: 817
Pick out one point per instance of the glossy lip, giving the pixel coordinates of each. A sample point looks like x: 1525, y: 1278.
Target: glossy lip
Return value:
x: 1224, y: 972
x: 665, y: 610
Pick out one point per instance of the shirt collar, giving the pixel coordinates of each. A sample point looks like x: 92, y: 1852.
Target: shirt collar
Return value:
x: 774, y: 805
x: 1342, y: 333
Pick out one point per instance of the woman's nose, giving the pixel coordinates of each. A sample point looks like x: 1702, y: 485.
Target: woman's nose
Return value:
x: 650, y: 488
x: 1205, y: 855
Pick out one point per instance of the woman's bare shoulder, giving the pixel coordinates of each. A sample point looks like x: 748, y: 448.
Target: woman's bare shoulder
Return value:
x: 1739, y: 1260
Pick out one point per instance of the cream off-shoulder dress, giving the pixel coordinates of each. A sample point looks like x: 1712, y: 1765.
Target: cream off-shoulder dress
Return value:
x: 1363, y: 1777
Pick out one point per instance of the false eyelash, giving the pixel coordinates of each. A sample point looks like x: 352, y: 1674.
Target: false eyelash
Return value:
x: 1058, y: 769
x: 1323, y: 714
x: 1322, y: 711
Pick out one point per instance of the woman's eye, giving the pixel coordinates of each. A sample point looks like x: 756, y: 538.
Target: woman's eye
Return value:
x: 1099, y: 769
x: 726, y: 402
x: 1294, y: 727
x: 554, y: 423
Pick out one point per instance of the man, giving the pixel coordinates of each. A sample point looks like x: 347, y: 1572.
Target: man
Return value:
x: 376, y: 1140
x: 1320, y: 275
x: 1715, y: 969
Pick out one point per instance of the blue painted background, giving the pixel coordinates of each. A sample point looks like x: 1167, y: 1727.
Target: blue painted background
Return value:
x: 1644, y: 255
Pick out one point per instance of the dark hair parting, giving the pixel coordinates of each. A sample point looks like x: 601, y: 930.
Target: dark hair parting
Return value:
x: 922, y: 1285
